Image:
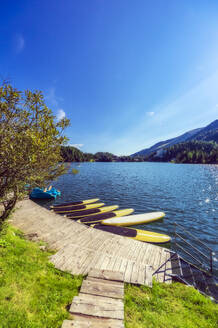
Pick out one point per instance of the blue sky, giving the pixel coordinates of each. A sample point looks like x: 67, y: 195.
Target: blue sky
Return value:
x: 127, y: 73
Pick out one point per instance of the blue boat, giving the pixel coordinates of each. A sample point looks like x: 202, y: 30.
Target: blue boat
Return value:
x: 39, y: 193
x: 53, y: 190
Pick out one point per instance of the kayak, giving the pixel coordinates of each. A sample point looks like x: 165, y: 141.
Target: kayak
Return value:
x: 99, y: 217
x: 91, y: 212
x: 134, y: 219
x: 82, y: 202
x: 141, y: 235
x: 71, y: 209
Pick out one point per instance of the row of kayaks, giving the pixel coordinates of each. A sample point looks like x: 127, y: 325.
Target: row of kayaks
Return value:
x: 108, y: 218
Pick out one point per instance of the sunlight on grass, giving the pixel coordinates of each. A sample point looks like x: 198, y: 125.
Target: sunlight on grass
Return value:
x: 33, y: 294
x: 164, y: 306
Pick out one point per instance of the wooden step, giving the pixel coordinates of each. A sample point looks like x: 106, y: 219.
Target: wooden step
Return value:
x: 100, y: 287
x: 107, y: 275
x: 82, y: 321
x: 98, y: 308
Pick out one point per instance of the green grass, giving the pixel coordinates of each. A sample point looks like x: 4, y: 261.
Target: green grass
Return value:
x: 168, y: 306
x: 33, y: 294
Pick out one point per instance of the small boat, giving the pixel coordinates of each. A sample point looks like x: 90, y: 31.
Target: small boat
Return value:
x: 82, y: 202
x: 141, y: 235
x: 98, y: 218
x: 53, y: 190
x: 62, y: 210
x: 39, y: 193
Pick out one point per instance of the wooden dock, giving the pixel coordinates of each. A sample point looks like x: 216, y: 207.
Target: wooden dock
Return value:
x: 81, y: 248
x: 109, y: 260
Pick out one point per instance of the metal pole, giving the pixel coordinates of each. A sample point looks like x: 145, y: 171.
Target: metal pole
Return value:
x: 211, y: 262
x: 175, y: 232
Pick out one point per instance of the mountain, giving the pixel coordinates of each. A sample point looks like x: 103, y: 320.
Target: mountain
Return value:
x: 208, y: 133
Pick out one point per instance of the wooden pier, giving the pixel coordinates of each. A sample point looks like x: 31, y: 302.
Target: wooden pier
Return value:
x: 88, y: 251
x: 81, y: 248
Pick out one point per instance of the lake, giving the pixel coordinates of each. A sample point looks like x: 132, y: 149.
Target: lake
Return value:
x: 187, y: 193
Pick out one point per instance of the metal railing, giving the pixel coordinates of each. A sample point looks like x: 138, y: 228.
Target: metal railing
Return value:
x: 206, y: 260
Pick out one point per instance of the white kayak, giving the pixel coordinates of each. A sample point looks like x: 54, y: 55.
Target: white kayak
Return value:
x: 130, y: 220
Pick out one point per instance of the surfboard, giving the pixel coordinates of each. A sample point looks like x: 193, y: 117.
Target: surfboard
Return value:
x: 102, y: 216
x: 126, y: 221
x: 82, y: 202
x: 62, y: 210
x: 90, y: 212
x: 141, y: 235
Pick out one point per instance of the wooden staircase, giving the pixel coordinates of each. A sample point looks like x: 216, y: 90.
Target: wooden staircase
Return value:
x: 100, y: 302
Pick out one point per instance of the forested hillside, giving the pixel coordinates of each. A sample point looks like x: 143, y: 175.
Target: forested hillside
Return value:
x: 188, y: 152
x: 72, y: 154
x: 195, y: 152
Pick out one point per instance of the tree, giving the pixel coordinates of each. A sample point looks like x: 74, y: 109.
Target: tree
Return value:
x: 30, y: 141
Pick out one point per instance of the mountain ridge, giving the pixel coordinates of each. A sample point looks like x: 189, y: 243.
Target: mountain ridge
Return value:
x: 207, y: 133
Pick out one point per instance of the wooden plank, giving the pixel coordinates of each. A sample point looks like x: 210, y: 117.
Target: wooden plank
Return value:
x: 93, y: 261
x: 79, y: 304
x: 75, y: 261
x: 141, y: 275
x: 151, y: 255
x: 111, y: 246
x: 117, y: 264
x: 97, y: 309
x: 99, y: 260
x: 106, y: 274
x: 105, y: 262
x: 155, y: 260
x: 101, y: 289
x: 128, y: 272
x: 146, y: 254
x: 117, y: 284
x: 111, y: 262
x: 148, y: 276
x: 125, y: 248
x: 134, y: 274
x: 140, y: 254
x: 98, y: 299
x: 138, y: 245
x: 123, y: 266
x: 68, y: 237
x: 95, y: 243
x: 86, y: 261
x: 141, y: 267
x: 84, y: 321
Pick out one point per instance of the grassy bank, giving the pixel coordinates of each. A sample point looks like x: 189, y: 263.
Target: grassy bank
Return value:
x: 33, y: 294
x: 164, y: 306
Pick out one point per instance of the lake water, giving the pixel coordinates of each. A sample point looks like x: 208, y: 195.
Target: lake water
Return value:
x: 188, y: 194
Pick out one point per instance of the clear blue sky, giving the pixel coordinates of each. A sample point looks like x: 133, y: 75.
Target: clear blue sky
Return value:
x: 127, y: 73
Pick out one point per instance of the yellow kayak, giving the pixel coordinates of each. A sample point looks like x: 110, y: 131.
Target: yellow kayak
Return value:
x: 72, y: 209
x: 82, y: 202
x: 90, y: 212
x: 102, y: 216
x: 141, y: 235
